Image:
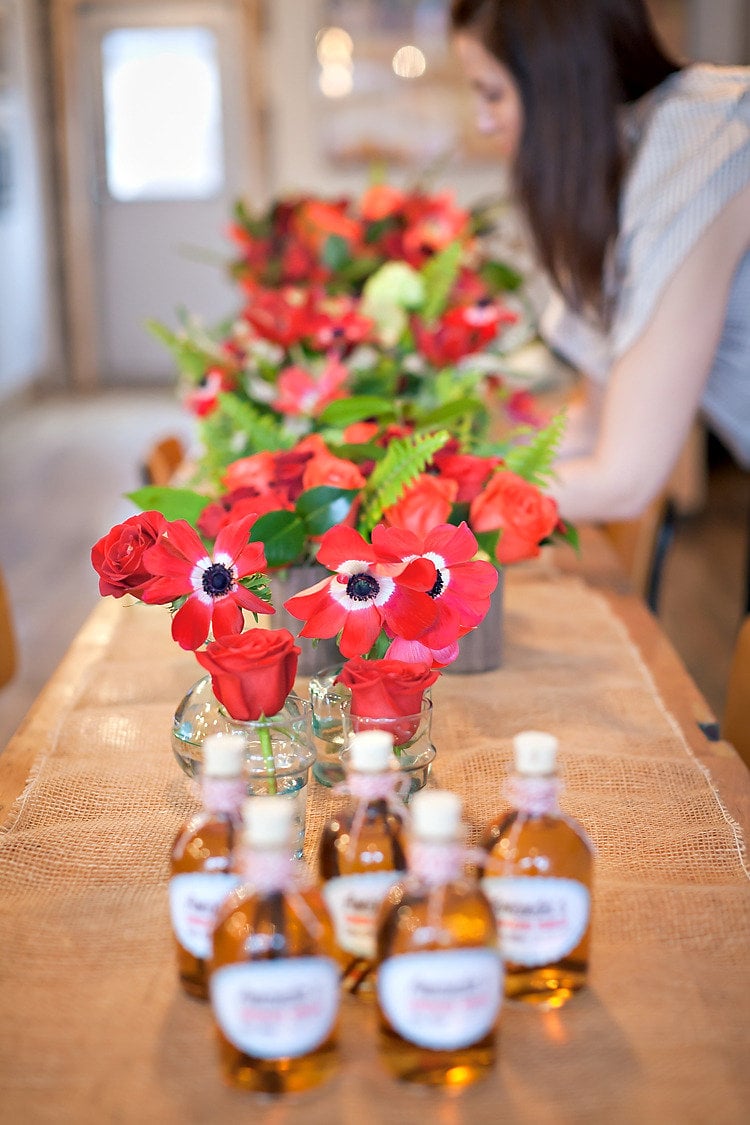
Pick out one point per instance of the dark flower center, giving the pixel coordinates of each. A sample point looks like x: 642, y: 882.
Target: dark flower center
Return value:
x: 437, y: 589
x: 217, y: 580
x: 362, y: 587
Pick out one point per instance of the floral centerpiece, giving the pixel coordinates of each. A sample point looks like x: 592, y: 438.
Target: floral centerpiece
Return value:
x: 348, y: 418
x: 401, y: 603
x: 382, y: 308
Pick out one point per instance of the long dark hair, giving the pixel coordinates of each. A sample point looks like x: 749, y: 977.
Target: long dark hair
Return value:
x: 575, y: 62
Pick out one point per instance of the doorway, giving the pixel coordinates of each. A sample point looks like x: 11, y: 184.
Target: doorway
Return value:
x: 162, y: 128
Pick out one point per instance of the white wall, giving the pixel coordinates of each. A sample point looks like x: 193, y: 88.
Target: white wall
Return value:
x: 27, y: 320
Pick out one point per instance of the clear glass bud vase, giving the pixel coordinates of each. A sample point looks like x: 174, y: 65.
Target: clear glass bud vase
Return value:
x: 279, y: 751
x: 333, y: 726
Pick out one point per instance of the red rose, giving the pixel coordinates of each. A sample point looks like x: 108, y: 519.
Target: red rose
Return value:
x: 524, y: 515
x: 118, y: 556
x: 384, y: 689
x: 467, y: 470
x: 235, y: 505
x: 335, y: 472
x: 252, y: 673
x: 425, y: 503
x: 380, y: 201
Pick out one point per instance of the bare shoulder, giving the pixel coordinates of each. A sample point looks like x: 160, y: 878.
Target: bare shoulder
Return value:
x: 726, y: 240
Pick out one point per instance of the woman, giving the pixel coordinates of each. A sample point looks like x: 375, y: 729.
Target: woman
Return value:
x: 634, y: 177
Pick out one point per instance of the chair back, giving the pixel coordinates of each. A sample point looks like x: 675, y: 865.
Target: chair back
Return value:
x: 737, y: 711
x: 8, y: 651
x: 642, y: 545
x: 162, y: 460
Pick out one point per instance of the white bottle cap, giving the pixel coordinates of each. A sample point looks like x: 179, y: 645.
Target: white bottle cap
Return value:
x: 268, y: 821
x: 223, y: 755
x: 535, y: 753
x: 436, y: 816
x: 371, y: 751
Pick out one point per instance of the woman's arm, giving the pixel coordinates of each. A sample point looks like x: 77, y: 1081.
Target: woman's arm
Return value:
x: 654, y: 389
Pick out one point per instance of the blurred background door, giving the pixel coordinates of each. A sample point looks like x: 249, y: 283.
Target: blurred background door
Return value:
x: 161, y: 136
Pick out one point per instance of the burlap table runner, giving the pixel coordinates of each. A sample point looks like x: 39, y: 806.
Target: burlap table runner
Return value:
x: 95, y: 1028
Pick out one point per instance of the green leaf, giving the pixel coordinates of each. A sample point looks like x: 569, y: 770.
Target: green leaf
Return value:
x: 324, y: 507
x: 500, y: 277
x: 488, y: 541
x: 262, y: 431
x: 336, y: 252
x: 173, y: 503
x: 356, y: 451
x: 450, y: 411
x: 345, y: 411
x: 283, y: 537
x: 259, y: 585
x: 404, y: 460
x: 439, y: 275
x: 534, y: 461
x: 568, y: 534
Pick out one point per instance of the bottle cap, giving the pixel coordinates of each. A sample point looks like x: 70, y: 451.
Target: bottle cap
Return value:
x: 371, y: 751
x: 223, y: 755
x: 268, y: 821
x: 535, y: 753
x: 436, y: 816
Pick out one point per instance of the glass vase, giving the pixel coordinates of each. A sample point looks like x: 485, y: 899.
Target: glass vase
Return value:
x: 412, y: 743
x: 285, y: 771
x: 333, y: 725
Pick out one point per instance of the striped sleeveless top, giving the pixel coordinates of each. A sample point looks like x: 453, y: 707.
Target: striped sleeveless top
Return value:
x: 690, y: 150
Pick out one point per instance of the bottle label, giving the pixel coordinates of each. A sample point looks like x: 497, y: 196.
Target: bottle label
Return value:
x: 539, y: 920
x: 194, y: 899
x: 442, y: 1000
x: 354, y: 902
x: 276, y: 1009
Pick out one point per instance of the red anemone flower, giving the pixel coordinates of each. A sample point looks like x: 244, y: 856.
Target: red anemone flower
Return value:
x: 460, y: 331
x: 300, y: 392
x: 461, y: 592
x: 215, y: 599
x: 283, y: 316
x: 368, y: 592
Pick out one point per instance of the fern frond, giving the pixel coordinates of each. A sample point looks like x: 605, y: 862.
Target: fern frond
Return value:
x: 534, y: 461
x: 439, y: 275
x: 404, y: 460
x: 261, y: 431
x: 191, y: 357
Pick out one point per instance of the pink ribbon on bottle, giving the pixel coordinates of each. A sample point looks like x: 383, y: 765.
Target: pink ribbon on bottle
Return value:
x: 534, y: 795
x: 267, y: 871
x: 222, y: 794
x: 366, y: 787
x: 442, y: 862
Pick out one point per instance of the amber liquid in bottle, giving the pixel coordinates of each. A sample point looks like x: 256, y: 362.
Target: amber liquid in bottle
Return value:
x: 538, y: 878
x: 274, y: 976
x: 201, y: 858
x: 361, y: 856
x: 440, y: 978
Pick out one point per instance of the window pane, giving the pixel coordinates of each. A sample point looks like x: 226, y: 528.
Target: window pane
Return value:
x: 162, y: 113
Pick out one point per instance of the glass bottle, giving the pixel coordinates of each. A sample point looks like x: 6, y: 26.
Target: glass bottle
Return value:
x: 274, y: 981
x: 201, y: 875
x: 538, y: 878
x: 440, y: 976
x: 362, y: 853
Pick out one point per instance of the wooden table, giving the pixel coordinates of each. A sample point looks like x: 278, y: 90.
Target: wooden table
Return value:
x: 96, y: 1029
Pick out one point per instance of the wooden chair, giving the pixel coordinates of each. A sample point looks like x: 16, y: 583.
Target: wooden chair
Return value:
x: 642, y: 545
x: 736, y: 727
x: 163, y: 460
x: 8, y: 652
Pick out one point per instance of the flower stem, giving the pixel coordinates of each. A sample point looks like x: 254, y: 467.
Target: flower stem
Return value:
x: 266, y: 747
